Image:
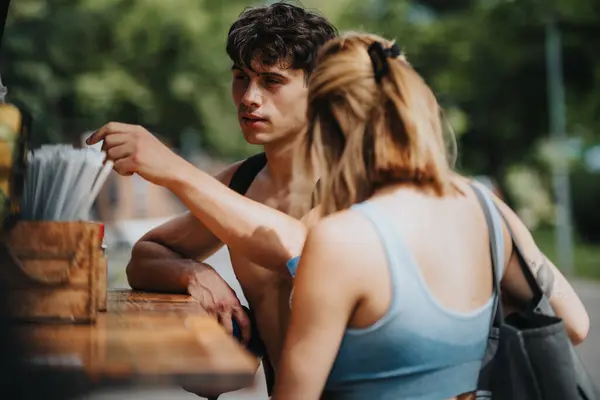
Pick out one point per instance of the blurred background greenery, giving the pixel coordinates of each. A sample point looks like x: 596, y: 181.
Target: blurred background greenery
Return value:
x: 77, y: 64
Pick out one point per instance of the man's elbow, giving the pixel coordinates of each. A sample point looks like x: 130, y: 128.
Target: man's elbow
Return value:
x: 135, y: 267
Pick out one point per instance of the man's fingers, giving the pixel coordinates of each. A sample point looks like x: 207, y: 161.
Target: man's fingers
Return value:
x: 226, y: 321
x: 108, y: 129
x: 124, y: 167
x: 243, y: 322
x: 95, y: 137
x: 100, y: 134
x: 118, y: 152
x: 115, y: 139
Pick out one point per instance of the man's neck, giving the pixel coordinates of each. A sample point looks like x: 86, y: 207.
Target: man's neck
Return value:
x: 280, y: 163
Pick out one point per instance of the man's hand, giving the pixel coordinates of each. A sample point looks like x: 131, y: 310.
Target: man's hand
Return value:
x: 135, y: 150
x: 219, y: 300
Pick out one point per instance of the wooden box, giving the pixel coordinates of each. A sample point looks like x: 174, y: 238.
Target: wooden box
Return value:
x: 55, y: 271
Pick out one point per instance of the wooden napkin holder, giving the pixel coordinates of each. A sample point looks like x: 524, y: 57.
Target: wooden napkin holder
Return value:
x: 54, y: 271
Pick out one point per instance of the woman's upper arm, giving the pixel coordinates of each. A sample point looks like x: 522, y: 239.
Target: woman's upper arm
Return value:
x: 326, y: 290
x: 562, y: 296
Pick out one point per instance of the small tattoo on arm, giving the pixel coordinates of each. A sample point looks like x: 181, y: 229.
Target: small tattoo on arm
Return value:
x: 543, y: 275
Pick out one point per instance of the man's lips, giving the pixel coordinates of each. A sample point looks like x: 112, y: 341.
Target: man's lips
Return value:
x: 253, y: 122
x: 253, y: 118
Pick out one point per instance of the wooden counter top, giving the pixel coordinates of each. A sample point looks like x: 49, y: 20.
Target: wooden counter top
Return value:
x: 144, y: 338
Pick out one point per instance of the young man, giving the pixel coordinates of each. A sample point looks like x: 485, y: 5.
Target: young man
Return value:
x: 273, y: 50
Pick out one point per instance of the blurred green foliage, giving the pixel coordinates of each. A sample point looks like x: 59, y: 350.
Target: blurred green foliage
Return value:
x: 80, y: 63
x: 77, y: 64
x: 486, y: 59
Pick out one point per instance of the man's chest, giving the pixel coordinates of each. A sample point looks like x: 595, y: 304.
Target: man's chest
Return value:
x: 257, y: 281
x: 264, y: 192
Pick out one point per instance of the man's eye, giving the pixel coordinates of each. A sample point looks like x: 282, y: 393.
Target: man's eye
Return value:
x: 272, y: 81
x: 240, y: 77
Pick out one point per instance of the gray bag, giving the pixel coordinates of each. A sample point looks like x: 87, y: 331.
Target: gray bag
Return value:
x: 529, y: 354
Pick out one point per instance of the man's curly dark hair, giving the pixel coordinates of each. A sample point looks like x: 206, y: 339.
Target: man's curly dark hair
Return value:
x: 280, y: 33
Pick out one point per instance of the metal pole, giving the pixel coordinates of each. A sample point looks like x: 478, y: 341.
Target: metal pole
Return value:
x: 556, y: 106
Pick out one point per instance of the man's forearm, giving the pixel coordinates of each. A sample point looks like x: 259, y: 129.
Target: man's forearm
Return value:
x: 154, y: 267
x: 262, y: 234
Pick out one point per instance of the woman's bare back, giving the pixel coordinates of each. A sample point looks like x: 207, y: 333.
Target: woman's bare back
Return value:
x: 448, y: 240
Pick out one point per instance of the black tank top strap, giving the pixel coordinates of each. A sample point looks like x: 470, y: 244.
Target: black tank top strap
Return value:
x: 246, y: 172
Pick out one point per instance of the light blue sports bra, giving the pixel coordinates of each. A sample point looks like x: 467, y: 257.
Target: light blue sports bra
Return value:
x: 419, y: 349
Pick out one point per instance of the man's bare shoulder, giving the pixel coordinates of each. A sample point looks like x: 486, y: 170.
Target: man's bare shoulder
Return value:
x: 225, y: 175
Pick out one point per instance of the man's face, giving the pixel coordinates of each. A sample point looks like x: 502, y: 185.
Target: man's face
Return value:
x: 271, y: 102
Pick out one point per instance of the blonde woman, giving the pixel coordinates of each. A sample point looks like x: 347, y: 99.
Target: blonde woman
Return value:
x: 393, y: 293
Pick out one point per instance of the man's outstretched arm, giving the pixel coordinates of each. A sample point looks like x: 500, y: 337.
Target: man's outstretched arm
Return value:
x: 262, y: 234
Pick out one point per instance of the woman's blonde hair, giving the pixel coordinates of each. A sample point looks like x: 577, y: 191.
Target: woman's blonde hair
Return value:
x: 368, y: 130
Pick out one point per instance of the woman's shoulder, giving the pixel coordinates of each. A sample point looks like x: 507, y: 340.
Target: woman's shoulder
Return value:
x: 345, y: 233
x: 342, y: 223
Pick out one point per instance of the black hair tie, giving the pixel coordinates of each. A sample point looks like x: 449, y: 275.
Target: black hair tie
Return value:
x: 379, y: 58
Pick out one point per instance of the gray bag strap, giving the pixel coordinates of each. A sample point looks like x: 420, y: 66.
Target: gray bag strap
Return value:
x: 531, y: 281
x: 497, y: 252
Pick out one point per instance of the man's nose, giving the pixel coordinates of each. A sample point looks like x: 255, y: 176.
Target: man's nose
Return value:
x: 252, y: 97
